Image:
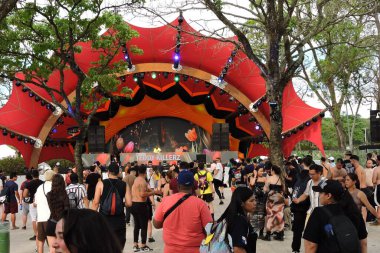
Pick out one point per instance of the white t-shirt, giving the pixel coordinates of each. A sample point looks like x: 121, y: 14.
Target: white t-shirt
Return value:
x: 43, y: 211
x: 150, y: 177
x: 314, y: 196
x: 218, y: 173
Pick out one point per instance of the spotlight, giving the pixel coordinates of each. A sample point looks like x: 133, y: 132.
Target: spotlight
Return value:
x: 18, y: 83
x: 122, y: 78
x: 26, y: 140
x: 185, y: 77
x: 135, y: 78
x: 259, y: 102
x: 19, y: 137
x: 251, y: 119
x: 54, y: 130
x: 32, y: 142
x: 48, y: 106
x: 273, y: 104
x: 12, y: 135
x: 154, y: 75
x: 220, y: 80
x: 307, y: 123
x: 60, y: 121
x: 315, y: 119
x: 222, y: 92
x: 301, y: 127
x: 142, y: 75
x: 231, y: 98
x: 257, y: 127
x: 196, y: 80
x: 230, y: 60
x: 37, y: 98
x: 24, y: 89
x: 52, y: 108
x: 207, y: 85
x: 31, y: 94
x: 165, y: 74
x: 43, y: 102
x: 176, y: 57
x: 283, y: 136
x: 264, y: 98
x: 208, y: 96
x: 322, y: 114
x: 5, y: 132
x: 294, y: 131
x: 176, y: 78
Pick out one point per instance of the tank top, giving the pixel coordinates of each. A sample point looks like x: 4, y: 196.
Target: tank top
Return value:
x: 117, y: 183
x: 356, y: 199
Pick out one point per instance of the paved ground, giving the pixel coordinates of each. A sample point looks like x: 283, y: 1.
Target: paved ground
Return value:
x: 21, y: 244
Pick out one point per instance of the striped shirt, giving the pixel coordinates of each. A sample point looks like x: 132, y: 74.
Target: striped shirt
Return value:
x: 80, y: 192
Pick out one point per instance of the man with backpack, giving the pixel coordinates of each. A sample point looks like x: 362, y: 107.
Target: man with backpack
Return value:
x: 205, y: 186
x: 337, y: 226
x: 13, y: 198
x: 182, y: 217
x: 109, y: 195
x: 77, y: 193
x: 28, y: 196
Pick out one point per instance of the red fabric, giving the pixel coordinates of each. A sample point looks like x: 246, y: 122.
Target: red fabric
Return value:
x: 257, y: 150
x: 311, y: 133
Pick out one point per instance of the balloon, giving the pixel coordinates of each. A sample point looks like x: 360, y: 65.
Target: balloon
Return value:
x: 120, y: 143
x: 129, y: 147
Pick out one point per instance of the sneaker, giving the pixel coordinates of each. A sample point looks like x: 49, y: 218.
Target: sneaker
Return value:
x: 151, y: 239
x: 375, y: 223
x: 24, y: 228
x: 295, y: 251
x: 15, y: 227
x: 221, y: 203
x: 136, y: 249
x: 145, y: 248
x: 33, y: 238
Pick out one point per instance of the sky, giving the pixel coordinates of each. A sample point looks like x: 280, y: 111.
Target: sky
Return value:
x: 6, y: 151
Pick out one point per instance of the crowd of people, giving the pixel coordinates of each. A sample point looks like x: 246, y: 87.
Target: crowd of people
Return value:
x: 179, y: 198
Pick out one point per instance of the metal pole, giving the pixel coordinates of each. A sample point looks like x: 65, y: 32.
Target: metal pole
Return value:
x: 4, y: 237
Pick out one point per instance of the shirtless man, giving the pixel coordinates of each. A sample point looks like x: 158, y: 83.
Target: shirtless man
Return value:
x: 338, y: 173
x: 376, y: 183
x: 359, y: 171
x: 140, y: 192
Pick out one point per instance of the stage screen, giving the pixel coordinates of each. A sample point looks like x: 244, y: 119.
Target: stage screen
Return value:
x: 162, y: 134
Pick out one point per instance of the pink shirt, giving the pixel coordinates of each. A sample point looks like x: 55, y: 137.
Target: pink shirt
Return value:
x: 183, y: 228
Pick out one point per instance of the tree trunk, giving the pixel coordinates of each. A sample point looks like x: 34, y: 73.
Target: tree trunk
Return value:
x: 79, y: 144
x: 275, y: 139
x: 340, y: 132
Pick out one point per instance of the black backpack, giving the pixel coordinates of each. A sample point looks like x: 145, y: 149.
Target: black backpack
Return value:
x: 341, y: 234
x: 112, y: 204
x: 73, y: 198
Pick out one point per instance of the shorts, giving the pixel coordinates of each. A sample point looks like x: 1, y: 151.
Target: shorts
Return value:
x: 41, y: 231
x: 208, y: 198
x: 377, y: 195
x: 25, y: 208
x: 33, y: 212
x: 50, y: 227
x: 11, y: 207
x: 150, y: 211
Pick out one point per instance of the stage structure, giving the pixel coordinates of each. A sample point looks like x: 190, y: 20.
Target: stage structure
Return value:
x: 201, y: 81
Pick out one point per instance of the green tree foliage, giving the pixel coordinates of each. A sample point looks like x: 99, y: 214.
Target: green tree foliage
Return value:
x: 12, y: 164
x: 330, y: 139
x: 39, y: 39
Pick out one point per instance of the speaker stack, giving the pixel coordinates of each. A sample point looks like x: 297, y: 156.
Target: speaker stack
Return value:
x: 375, y: 126
x: 220, y: 137
x: 96, y: 139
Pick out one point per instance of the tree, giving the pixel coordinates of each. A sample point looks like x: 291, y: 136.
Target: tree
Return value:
x: 6, y: 6
x: 41, y: 39
x: 273, y: 35
x: 340, y: 58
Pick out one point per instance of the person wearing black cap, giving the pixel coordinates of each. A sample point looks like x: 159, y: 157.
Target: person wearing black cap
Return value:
x: 320, y: 228
x: 114, y: 213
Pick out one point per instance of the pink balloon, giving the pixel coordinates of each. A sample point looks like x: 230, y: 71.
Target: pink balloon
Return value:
x: 129, y: 147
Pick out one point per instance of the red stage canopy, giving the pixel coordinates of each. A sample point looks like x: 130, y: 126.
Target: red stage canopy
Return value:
x: 26, y: 117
